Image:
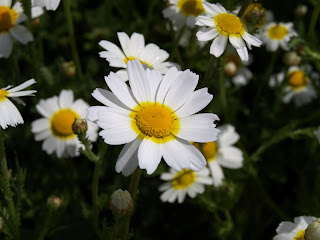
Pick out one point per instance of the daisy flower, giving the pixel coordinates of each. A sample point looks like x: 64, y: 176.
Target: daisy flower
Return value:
x: 149, y: 55
x: 276, y: 35
x: 155, y: 118
x: 182, y: 183
x: 183, y: 12
x: 55, y: 128
x: 220, y: 26
x: 48, y: 4
x: 298, y: 87
x: 222, y: 153
x: 293, y: 230
x: 10, y: 28
x: 9, y: 114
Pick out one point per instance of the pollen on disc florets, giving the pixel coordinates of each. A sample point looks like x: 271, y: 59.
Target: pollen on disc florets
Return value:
x: 191, y: 7
x: 277, y: 32
x: 3, y: 94
x: 183, y: 179
x: 61, y: 123
x: 297, y: 79
x: 229, y: 24
x: 8, y: 17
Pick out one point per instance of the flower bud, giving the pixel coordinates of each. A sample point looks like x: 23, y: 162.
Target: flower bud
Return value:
x: 79, y: 126
x: 291, y: 59
x: 301, y: 10
x: 313, y: 231
x: 230, y: 69
x: 121, y: 202
x: 54, y: 202
x: 255, y: 14
x: 68, y: 69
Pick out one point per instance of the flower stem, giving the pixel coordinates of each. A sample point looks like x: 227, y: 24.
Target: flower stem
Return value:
x: 222, y: 86
x: 209, y: 70
x: 7, y: 190
x: 75, y: 55
x: 95, y: 192
x: 313, y: 22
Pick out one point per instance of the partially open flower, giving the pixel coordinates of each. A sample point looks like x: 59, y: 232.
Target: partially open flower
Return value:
x: 79, y: 126
x: 121, y: 202
x: 313, y: 230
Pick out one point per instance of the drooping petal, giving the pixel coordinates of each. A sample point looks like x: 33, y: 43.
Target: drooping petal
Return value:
x: 5, y: 45
x: 218, y: 45
x: 21, y: 34
x: 149, y: 155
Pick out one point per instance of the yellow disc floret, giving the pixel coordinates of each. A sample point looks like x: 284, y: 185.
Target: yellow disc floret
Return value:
x: 191, y: 7
x: 3, y: 94
x: 229, y: 24
x: 277, y: 32
x: 300, y: 235
x: 8, y: 17
x: 133, y: 58
x: 61, y: 123
x: 183, y: 179
x: 156, y: 121
x: 297, y: 80
x: 209, y: 150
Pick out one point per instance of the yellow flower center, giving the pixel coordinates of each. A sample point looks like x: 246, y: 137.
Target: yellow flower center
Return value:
x: 297, y: 80
x: 3, y: 94
x: 229, y: 24
x: 277, y: 32
x: 183, y: 179
x: 61, y: 123
x: 300, y: 235
x: 209, y: 150
x: 191, y: 7
x: 156, y: 121
x: 8, y: 17
x: 133, y: 58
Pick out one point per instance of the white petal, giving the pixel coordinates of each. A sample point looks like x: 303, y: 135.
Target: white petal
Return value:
x: 52, y: 4
x: 211, y: 8
x: 36, y: 12
x: 110, y: 119
x: 123, y: 74
x: 10, y: 115
x: 21, y: 34
x: 243, y: 53
x: 40, y: 125
x: 252, y: 40
x: 149, y: 155
x: 125, y: 42
x: 218, y: 45
x: 111, y: 47
x: 236, y: 42
x: 202, y: 20
x: 48, y: 107
x: 118, y: 135
x: 6, y: 3
x: 50, y: 144
x: 154, y: 78
x: 207, y: 34
x: 228, y: 135
x: 136, y: 44
x: 217, y: 173
x: 231, y: 157
x: 65, y: 98
x: 169, y: 78
x: 22, y: 86
x: 5, y: 45
x: 92, y: 114
x: 108, y: 98
x: 80, y: 107
x: 40, y: 136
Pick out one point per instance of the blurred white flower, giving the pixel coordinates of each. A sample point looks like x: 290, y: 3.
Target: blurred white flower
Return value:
x: 317, y: 134
x: 55, y: 128
x: 9, y: 114
x: 48, y: 4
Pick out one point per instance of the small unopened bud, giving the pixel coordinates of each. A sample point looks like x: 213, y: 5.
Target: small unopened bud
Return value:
x: 1, y: 224
x: 79, y: 126
x: 54, y: 202
x: 36, y: 22
x: 291, y: 59
x: 68, y: 69
x: 121, y: 202
x: 313, y: 231
x: 301, y: 10
x: 255, y: 14
x: 230, y: 69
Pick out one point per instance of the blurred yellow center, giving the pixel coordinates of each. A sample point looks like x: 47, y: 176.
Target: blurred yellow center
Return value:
x: 8, y: 17
x: 155, y: 120
x: 229, y: 24
x: 277, y: 32
x: 61, y: 123
x: 191, y: 7
x: 209, y: 150
x: 300, y: 235
x: 183, y: 179
x: 133, y: 58
x: 298, y: 80
x: 3, y: 94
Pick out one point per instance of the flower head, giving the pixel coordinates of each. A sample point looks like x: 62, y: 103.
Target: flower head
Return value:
x: 55, y: 128
x: 121, y: 202
x: 182, y: 183
x: 295, y: 230
x: 155, y: 118
x: 150, y: 55
x: 276, y: 35
x: 221, y: 26
x: 222, y: 153
x: 9, y: 114
x: 183, y: 12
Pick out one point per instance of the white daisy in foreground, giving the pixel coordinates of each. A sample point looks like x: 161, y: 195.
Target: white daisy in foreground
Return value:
x: 55, y: 128
x: 9, y: 114
x: 221, y: 26
x: 149, y: 55
x: 182, y: 183
x: 48, y: 4
x: 183, y: 12
x: 155, y: 118
x: 10, y: 28
x: 295, y: 230
x: 276, y: 35
x: 222, y: 153
x: 298, y: 87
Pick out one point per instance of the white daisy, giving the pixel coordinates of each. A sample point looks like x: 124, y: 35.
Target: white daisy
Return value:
x: 48, y: 4
x: 9, y: 114
x: 298, y: 87
x: 276, y: 35
x: 155, y: 118
x: 182, y: 183
x: 183, y: 12
x: 149, y: 55
x: 222, y: 153
x: 221, y: 26
x: 10, y: 28
x: 55, y: 128
x: 293, y: 230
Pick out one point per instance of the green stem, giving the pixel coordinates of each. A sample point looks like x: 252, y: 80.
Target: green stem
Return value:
x: 222, y: 87
x: 87, y: 150
x: 75, y: 55
x: 209, y: 70
x: 313, y: 22
x: 7, y: 190
x: 95, y: 192
x: 243, y: 8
